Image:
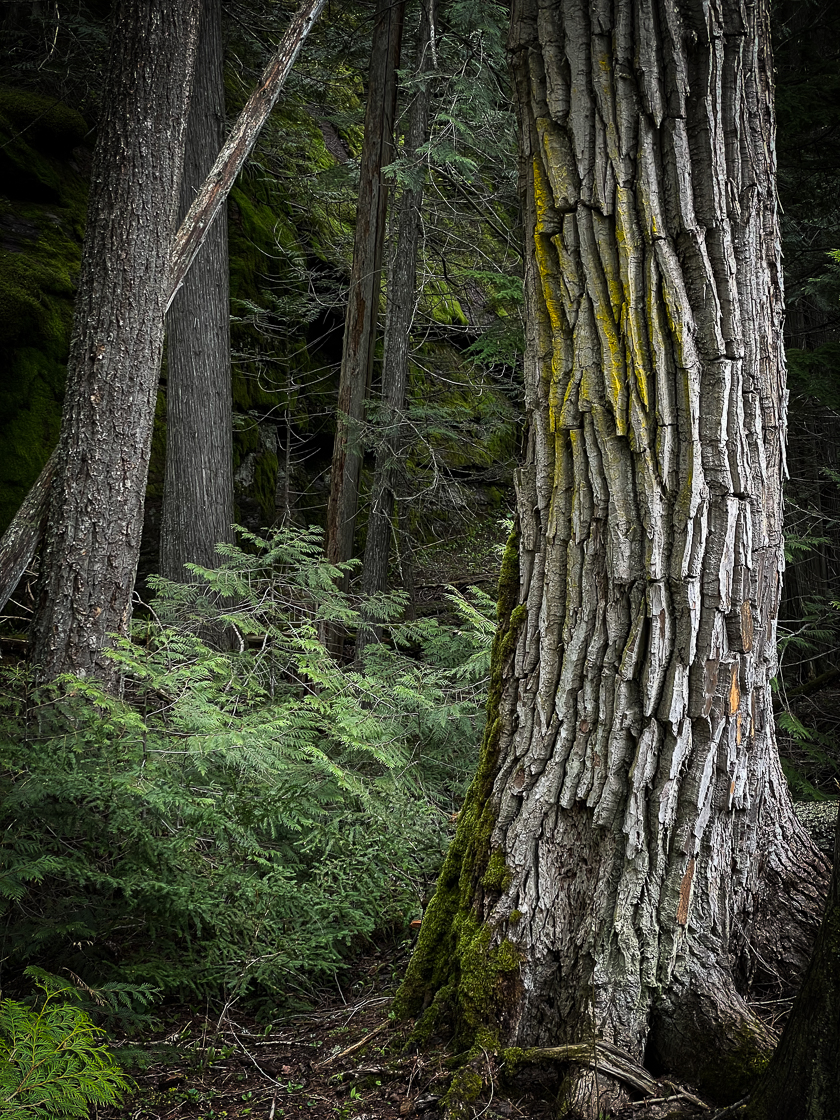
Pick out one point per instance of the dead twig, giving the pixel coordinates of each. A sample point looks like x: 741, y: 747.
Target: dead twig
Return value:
x: 352, y: 1049
x: 730, y: 1109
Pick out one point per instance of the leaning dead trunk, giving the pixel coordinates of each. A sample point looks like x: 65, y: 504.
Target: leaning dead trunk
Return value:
x: 622, y: 853
x: 197, y: 509
x: 93, y: 529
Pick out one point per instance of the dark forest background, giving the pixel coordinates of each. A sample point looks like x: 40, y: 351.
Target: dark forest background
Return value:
x: 263, y: 810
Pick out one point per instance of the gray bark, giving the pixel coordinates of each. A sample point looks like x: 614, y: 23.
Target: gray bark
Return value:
x: 236, y: 149
x: 365, y: 278
x: 93, y: 529
x: 198, y: 483
x: 401, y: 303
x: 802, y: 1081
x: 19, y: 542
x: 633, y: 784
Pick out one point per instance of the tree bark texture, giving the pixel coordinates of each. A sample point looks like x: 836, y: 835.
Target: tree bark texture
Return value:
x: 18, y: 544
x: 623, y: 853
x: 802, y: 1081
x: 198, y: 482
x: 93, y: 530
x: 401, y: 304
x: 365, y: 276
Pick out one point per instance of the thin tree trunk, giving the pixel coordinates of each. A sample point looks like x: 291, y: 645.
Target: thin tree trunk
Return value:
x: 93, y: 529
x: 198, y: 483
x: 621, y: 857
x: 18, y: 544
x: 802, y: 1081
x: 402, y: 286
x: 21, y: 539
x: 239, y: 144
x: 365, y: 276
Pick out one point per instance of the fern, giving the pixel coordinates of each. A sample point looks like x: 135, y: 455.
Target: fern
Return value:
x: 241, y: 817
x: 53, y: 1061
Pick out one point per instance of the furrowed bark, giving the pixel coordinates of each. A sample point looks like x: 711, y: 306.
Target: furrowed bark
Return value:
x: 632, y: 834
x: 93, y: 528
x: 400, y: 314
x: 365, y: 278
x: 197, y: 509
x: 19, y: 543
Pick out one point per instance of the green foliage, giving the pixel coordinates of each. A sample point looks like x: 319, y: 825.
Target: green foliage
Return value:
x: 240, y: 817
x: 41, y: 215
x: 53, y: 1060
x: 819, y: 753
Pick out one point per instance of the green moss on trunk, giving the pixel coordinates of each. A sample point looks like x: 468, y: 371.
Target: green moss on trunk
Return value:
x: 457, y: 976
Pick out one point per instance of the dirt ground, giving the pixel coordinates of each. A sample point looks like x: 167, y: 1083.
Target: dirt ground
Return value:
x: 343, y: 1060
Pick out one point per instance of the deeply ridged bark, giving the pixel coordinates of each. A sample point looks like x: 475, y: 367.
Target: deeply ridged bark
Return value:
x: 96, y: 513
x: 638, y: 808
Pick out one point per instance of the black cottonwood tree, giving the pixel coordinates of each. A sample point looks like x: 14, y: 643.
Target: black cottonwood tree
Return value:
x: 197, y: 509
x: 93, y: 528
x: 620, y: 863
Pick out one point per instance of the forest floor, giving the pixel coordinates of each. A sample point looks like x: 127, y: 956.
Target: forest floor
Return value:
x: 344, y: 1059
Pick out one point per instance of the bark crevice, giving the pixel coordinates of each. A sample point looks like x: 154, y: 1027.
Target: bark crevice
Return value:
x: 638, y: 801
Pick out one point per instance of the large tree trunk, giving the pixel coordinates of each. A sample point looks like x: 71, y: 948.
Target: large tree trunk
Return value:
x: 621, y: 857
x: 402, y: 297
x: 21, y: 539
x: 198, y: 483
x: 93, y: 530
x: 365, y: 276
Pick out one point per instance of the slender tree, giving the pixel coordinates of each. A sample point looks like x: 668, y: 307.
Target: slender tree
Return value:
x: 365, y: 277
x: 616, y: 875
x: 198, y: 483
x: 402, y: 297
x: 93, y: 529
x: 802, y: 1081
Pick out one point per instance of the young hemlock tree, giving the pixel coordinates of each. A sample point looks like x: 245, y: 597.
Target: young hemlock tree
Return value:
x: 402, y: 299
x: 616, y: 877
x: 365, y: 278
x: 249, y: 813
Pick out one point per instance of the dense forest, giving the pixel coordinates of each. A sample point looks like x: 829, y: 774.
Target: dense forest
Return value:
x: 420, y: 669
